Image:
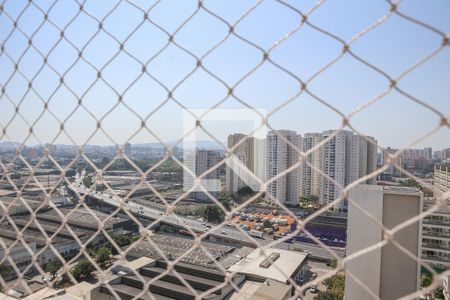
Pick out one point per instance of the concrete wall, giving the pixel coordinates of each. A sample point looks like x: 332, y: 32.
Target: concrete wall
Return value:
x: 398, y: 209
x: 363, y: 232
x: 388, y: 272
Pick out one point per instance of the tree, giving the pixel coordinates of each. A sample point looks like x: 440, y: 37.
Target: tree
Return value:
x: 411, y: 183
x: 121, y: 240
x: 324, y: 296
x: 82, y: 269
x: 213, y: 214
x: 54, y: 266
x: 105, y: 161
x: 225, y: 200
x: 267, y: 224
x: 439, y: 293
x: 426, y: 280
x: 15, y: 176
x: 245, y: 191
x: 70, y: 173
x: 166, y: 228
x: 102, y: 256
x: 333, y: 264
x: 87, y: 181
x: 100, y: 187
x: 335, y: 288
x: 4, y: 270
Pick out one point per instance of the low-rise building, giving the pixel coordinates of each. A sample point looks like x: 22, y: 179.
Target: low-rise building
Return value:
x: 276, y: 268
x: 82, y: 223
x: 17, y: 206
x: 172, y: 247
x: 211, y: 284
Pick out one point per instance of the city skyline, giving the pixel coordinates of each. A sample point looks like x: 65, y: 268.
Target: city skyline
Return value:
x: 211, y: 143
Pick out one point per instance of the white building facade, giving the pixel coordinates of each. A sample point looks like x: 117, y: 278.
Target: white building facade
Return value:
x: 311, y: 176
x: 281, y: 156
x: 345, y: 158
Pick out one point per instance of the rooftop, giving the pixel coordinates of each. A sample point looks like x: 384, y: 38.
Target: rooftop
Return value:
x: 80, y: 216
x: 268, y: 290
x: 168, y: 286
x: 389, y: 189
x: 17, y: 201
x: 8, y: 235
x: 280, y: 269
x: 173, y: 247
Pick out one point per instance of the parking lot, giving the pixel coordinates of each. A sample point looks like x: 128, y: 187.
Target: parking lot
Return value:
x: 319, y: 268
x: 256, y: 219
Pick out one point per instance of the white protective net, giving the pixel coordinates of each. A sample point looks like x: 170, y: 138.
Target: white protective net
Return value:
x: 76, y: 72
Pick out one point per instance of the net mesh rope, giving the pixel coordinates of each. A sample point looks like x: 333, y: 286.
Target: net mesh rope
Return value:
x: 15, y: 19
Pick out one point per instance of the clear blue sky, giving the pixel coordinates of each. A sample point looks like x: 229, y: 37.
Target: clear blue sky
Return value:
x: 392, y: 47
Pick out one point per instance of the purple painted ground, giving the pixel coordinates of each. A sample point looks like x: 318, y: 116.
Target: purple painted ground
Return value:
x: 329, y: 235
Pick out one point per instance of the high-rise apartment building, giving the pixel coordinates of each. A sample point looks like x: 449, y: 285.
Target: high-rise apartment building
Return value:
x: 200, y: 161
x: 399, y: 161
x: 346, y: 157
x: 250, y: 153
x: 311, y: 176
x: 386, y: 271
x: 437, y: 155
x: 332, y: 161
x: 428, y: 153
x: 127, y: 149
x: 280, y: 157
x: 445, y: 154
x: 244, y: 153
x: 372, y: 158
x: 436, y: 227
x: 442, y: 177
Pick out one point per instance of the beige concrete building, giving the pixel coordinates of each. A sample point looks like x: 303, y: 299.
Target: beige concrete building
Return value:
x: 387, y: 271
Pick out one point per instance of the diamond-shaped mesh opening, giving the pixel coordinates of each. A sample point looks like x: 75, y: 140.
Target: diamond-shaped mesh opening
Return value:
x: 151, y: 150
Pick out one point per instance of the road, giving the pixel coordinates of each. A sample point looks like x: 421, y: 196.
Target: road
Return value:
x: 226, y: 232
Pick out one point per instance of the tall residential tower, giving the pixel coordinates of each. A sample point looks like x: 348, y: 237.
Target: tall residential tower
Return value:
x: 282, y: 155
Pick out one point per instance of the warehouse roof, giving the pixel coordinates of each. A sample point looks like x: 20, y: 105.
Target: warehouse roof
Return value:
x: 276, y: 264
